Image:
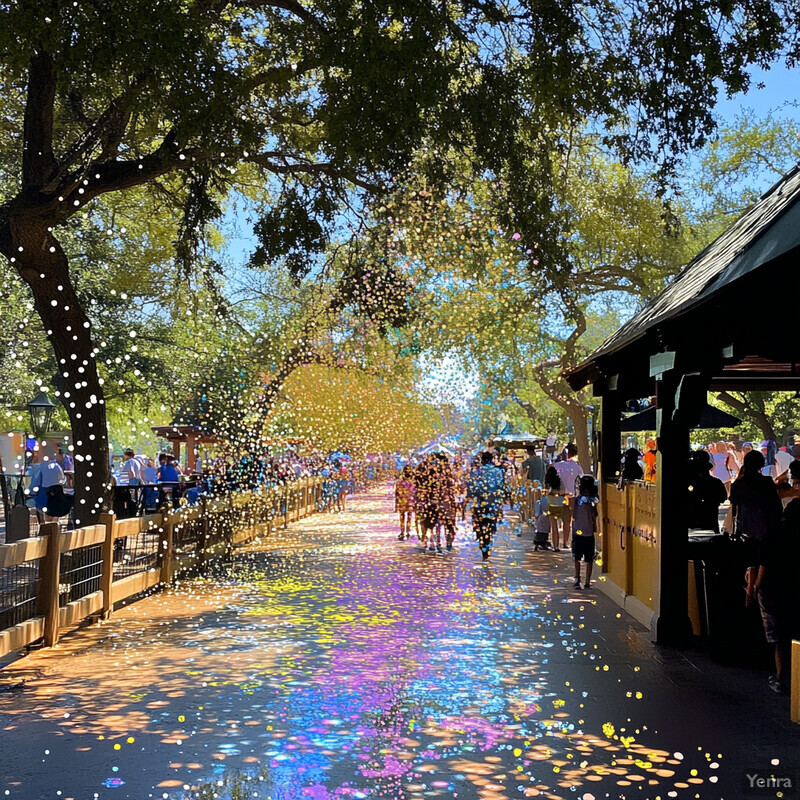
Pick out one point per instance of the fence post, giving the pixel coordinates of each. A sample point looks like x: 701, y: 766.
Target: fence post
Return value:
x: 166, y: 547
x: 107, y: 519
x: 50, y: 578
x: 203, y: 554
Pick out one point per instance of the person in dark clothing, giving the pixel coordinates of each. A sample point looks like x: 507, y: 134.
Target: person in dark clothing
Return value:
x: 631, y: 468
x: 487, y: 486
x: 533, y: 466
x: 706, y: 493
x: 754, y: 500
x: 425, y: 498
x: 771, y: 581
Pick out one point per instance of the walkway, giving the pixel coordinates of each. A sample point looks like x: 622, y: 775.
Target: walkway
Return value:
x: 339, y: 662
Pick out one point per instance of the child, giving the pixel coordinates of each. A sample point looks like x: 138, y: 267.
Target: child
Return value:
x: 541, y: 527
x: 584, y: 527
x: 404, y: 501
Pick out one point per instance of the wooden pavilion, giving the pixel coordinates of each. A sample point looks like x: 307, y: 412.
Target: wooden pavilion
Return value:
x: 185, y: 429
x: 727, y: 321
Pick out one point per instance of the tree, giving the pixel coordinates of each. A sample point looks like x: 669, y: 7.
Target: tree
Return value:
x: 735, y: 169
x: 317, y: 101
x: 525, y: 314
x: 335, y: 408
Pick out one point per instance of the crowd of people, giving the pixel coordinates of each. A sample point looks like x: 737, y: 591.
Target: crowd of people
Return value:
x: 761, y: 491
x: 143, y: 483
x: 431, y: 495
x: 750, y: 492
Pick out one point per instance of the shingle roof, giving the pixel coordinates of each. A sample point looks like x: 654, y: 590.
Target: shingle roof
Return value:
x: 768, y: 229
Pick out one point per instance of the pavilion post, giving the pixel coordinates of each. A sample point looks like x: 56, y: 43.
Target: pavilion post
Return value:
x: 609, y: 463
x: 671, y: 624
x: 610, y: 433
x: 191, y: 461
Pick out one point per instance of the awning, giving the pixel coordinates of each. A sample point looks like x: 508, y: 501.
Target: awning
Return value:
x: 710, y: 417
x: 516, y: 440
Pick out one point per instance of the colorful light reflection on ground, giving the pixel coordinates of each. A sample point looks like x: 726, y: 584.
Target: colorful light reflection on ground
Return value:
x: 336, y: 661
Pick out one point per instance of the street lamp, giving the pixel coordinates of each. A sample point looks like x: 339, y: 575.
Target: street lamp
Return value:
x: 41, y: 410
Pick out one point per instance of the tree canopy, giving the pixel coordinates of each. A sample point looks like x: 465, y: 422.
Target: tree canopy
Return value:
x: 316, y: 107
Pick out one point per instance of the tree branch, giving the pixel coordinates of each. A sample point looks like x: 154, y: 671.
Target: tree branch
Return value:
x: 118, y: 175
x: 267, y: 161
x: 38, y: 162
x: 293, y: 7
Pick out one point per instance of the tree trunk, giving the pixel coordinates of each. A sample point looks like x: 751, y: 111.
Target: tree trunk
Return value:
x: 42, y: 264
x: 576, y: 411
x: 577, y: 414
x: 756, y: 412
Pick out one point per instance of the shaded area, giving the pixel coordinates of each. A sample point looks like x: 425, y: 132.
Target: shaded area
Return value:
x: 335, y: 661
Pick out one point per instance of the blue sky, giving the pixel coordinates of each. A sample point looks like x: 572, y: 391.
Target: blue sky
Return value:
x: 780, y: 92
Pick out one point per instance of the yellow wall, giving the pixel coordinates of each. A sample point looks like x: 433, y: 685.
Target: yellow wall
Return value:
x: 630, y: 541
x: 643, y: 542
x: 614, y: 520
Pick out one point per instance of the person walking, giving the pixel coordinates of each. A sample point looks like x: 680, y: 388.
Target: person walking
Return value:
x: 772, y: 585
x: 425, y: 499
x: 584, y: 528
x: 550, y: 446
x: 404, y: 501
x: 754, y: 500
x: 446, y: 508
x: 533, y: 467
x: 555, y: 503
x: 650, y: 459
x: 341, y: 478
x: 487, y: 487
x: 570, y: 472
x: 722, y: 467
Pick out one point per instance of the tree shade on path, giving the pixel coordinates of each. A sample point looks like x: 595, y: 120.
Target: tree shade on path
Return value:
x: 335, y: 661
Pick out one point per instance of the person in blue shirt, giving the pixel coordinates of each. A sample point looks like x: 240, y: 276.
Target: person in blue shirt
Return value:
x: 487, y: 488
x: 168, y: 474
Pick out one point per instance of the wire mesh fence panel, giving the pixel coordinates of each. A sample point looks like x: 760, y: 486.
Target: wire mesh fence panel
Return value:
x: 187, y: 534
x: 81, y: 571
x: 221, y: 526
x: 136, y: 553
x: 18, y: 591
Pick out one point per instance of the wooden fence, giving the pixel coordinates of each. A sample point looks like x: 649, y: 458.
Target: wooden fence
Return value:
x: 59, y: 579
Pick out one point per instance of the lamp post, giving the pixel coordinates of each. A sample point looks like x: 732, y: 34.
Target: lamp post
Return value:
x: 41, y: 410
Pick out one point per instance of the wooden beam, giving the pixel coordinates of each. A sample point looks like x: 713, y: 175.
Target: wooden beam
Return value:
x: 107, y: 520
x: 167, y: 546
x: 50, y: 578
x: 24, y: 550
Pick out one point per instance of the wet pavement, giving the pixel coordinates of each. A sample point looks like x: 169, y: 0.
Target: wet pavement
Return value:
x: 338, y: 662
